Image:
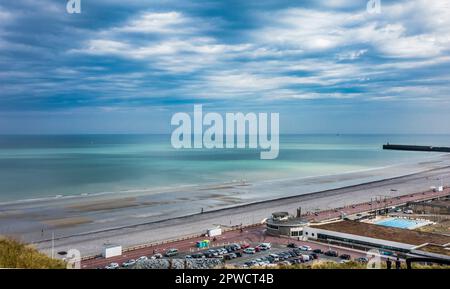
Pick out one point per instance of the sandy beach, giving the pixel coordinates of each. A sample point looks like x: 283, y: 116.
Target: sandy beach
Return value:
x: 87, y: 222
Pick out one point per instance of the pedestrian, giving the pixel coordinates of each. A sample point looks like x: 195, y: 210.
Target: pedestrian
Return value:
x: 398, y: 263
x: 388, y: 263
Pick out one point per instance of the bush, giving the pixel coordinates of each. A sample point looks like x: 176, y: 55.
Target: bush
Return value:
x: 14, y: 254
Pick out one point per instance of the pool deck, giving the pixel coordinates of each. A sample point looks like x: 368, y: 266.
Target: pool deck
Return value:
x: 402, y: 223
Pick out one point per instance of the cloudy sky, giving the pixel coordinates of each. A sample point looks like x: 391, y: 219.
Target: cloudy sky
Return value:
x: 126, y: 66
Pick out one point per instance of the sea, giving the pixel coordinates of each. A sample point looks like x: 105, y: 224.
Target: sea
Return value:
x: 41, y: 166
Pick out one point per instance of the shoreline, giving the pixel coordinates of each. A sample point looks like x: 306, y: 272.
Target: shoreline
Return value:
x: 242, y: 206
x: 210, y: 185
x: 138, y: 219
x: 155, y: 231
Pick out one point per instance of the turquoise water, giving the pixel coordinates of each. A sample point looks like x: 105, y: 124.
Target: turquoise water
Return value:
x: 43, y: 166
x: 400, y: 223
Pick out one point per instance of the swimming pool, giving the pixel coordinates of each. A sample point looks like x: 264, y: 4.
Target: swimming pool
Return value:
x: 402, y: 223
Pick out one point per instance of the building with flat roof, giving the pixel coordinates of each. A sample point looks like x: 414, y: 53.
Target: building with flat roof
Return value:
x: 283, y: 224
x: 386, y: 239
x: 433, y: 251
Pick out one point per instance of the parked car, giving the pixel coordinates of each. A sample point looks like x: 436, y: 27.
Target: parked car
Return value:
x: 208, y: 254
x: 345, y: 257
x: 238, y: 254
x: 227, y: 257
x: 188, y: 257
x: 284, y: 255
x: 142, y: 258
x: 264, y: 246
x: 331, y: 253
x: 306, y: 258
x: 264, y: 263
x: 362, y: 260
x: 296, y: 261
x: 128, y: 263
x: 306, y: 248
x: 292, y: 245
x: 250, y: 251
x: 211, y: 253
x: 251, y: 263
x: 112, y: 266
x: 157, y: 256
x: 236, y: 246
x: 314, y: 255
x: 318, y: 251
x: 198, y: 255
x: 245, y: 246
x: 171, y: 252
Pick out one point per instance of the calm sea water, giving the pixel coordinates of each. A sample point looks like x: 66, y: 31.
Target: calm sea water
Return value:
x: 44, y: 166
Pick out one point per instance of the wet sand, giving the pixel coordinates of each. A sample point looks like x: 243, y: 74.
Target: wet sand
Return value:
x: 87, y: 222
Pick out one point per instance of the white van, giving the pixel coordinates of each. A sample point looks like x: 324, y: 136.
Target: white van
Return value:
x: 306, y: 258
x: 265, y: 246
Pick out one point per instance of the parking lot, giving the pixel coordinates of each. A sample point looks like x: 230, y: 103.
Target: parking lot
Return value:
x: 282, y: 254
x: 248, y: 254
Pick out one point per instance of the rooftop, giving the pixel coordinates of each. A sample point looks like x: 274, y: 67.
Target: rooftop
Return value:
x: 404, y: 236
x: 282, y: 219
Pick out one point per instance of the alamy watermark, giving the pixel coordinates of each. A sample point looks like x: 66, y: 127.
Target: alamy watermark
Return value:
x: 374, y: 259
x: 73, y: 259
x: 373, y: 6
x: 190, y: 134
x: 73, y: 6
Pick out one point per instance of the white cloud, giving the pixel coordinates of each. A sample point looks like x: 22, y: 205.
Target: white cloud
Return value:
x: 392, y: 33
x: 293, y: 54
x: 150, y: 22
x: 351, y: 55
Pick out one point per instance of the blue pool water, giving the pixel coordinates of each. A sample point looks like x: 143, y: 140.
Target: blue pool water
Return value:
x: 401, y: 223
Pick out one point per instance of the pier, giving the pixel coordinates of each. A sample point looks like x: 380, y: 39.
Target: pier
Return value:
x: 416, y: 148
